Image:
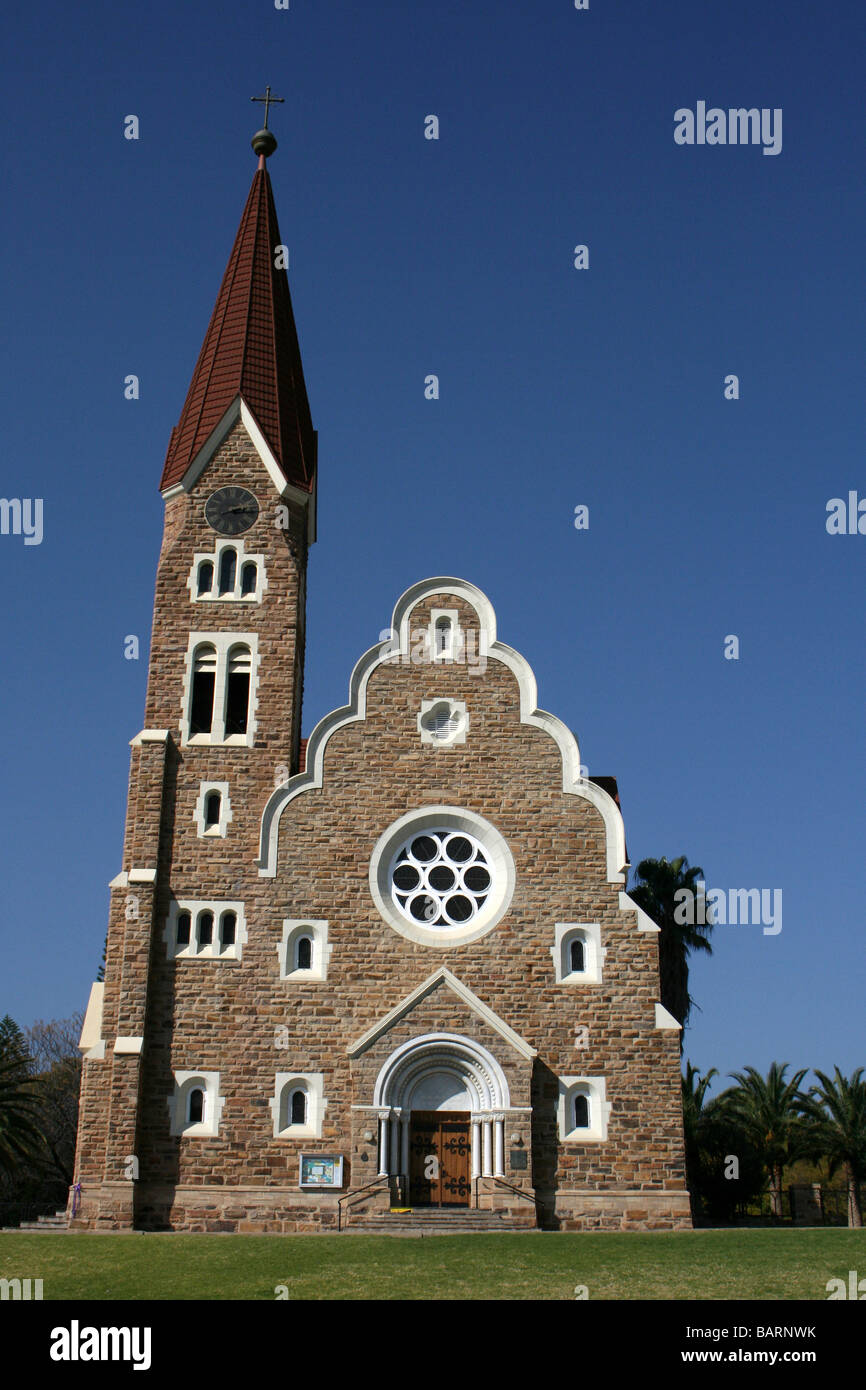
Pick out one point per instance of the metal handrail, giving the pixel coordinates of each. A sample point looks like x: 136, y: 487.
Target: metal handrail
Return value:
x: 378, y: 1182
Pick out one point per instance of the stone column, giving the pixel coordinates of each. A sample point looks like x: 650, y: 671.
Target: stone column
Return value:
x: 476, y: 1146
x: 383, y: 1143
x: 487, y: 1155
x: 499, y: 1146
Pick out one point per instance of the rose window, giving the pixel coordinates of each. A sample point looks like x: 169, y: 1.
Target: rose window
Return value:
x: 441, y: 878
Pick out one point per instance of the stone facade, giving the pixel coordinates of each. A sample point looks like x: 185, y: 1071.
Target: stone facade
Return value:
x: 298, y: 848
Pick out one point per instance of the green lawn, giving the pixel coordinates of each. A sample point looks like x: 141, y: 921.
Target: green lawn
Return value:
x: 744, y: 1264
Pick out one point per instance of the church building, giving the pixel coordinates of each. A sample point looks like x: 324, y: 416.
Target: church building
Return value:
x: 385, y: 977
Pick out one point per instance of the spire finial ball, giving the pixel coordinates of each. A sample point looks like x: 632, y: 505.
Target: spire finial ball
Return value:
x: 264, y: 142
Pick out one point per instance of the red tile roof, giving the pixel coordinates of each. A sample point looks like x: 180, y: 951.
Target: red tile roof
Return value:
x: 250, y: 349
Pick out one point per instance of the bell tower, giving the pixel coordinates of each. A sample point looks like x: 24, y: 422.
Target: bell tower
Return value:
x: 222, y: 719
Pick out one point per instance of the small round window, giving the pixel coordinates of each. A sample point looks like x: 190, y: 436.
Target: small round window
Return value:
x: 442, y: 876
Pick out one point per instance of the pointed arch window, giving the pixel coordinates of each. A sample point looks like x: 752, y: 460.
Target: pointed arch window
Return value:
x: 196, y: 1106
x: 240, y: 664
x: 298, y: 1108
x: 205, y: 577
x: 228, y: 571
x: 203, y: 689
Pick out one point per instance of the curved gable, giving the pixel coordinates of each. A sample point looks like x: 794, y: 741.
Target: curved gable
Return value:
x: 397, y: 646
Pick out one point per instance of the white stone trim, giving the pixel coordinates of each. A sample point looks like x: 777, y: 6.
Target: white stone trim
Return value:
x: 221, y: 828
x: 240, y: 409
x: 477, y: 1068
x: 442, y: 976
x: 91, y: 1029
x: 499, y: 858
x: 490, y: 648
x: 594, y: 953
x: 149, y: 736
x: 222, y: 642
x: 432, y: 711
x: 184, y: 1082
x: 210, y: 950
x: 128, y: 1047
x: 120, y: 880
x: 141, y: 876
x: 454, y: 649
x: 293, y: 929
x: 666, y: 1020
x: 593, y: 1087
x: 287, y: 1082
x: 644, y: 923
x: 214, y: 557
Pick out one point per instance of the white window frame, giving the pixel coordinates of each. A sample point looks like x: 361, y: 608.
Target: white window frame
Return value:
x: 594, y: 1088
x: 293, y: 929
x: 454, y: 650
x: 499, y: 860
x: 286, y: 1083
x: 178, y: 1104
x: 593, y: 953
x: 210, y: 950
x: 214, y: 558
x: 455, y: 710
x: 206, y: 831
x: 222, y: 642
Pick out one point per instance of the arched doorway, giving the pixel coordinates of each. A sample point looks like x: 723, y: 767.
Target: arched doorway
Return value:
x: 441, y: 1100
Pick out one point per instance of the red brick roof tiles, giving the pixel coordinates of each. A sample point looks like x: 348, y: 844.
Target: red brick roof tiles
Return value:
x: 250, y: 349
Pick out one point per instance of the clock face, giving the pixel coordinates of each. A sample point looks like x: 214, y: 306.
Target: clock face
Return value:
x: 231, y: 511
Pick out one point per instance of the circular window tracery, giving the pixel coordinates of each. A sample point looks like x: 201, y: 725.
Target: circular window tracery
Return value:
x: 441, y: 878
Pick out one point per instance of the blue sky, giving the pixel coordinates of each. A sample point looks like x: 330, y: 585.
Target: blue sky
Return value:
x: 558, y: 387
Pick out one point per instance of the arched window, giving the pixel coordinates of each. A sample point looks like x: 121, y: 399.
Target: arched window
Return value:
x: 213, y: 802
x: 577, y: 954
x: 195, y: 1109
x: 249, y: 577
x: 581, y: 1111
x: 298, y: 1108
x: 228, y: 570
x: 304, y: 953
x: 238, y: 690
x: 205, y: 577
x: 203, y: 683
x: 205, y: 929
x: 228, y: 926
x: 183, y: 925
x: 444, y: 636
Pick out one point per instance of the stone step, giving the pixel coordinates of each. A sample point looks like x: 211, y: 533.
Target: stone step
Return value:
x: 57, y: 1222
x: 420, y: 1221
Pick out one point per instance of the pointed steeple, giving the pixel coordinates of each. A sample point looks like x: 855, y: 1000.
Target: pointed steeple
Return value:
x: 251, y: 350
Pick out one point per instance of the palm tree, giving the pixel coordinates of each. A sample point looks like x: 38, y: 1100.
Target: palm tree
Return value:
x: 836, y: 1112
x: 20, y: 1139
x: 697, y: 1123
x: 659, y: 889
x: 769, y: 1112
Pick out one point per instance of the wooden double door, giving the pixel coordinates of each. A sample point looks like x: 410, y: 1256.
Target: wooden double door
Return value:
x: 439, y: 1158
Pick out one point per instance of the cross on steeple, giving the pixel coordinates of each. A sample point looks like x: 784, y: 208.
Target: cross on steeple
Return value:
x: 268, y: 100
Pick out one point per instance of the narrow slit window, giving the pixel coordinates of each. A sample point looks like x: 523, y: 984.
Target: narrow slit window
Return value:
x: 228, y: 927
x: 228, y: 570
x: 581, y: 1112
x: 577, y: 955
x: 298, y: 1109
x: 205, y: 929
x: 183, y: 926
x: 249, y: 577
x: 205, y: 577
x: 443, y: 636
x: 213, y: 802
x: 304, y: 954
x: 203, y: 685
x: 238, y: 690
x: 196, y: 1106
